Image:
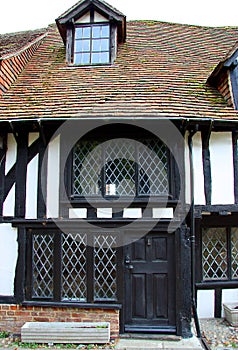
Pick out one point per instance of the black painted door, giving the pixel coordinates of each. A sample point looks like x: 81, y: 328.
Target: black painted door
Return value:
x: 150, y: 284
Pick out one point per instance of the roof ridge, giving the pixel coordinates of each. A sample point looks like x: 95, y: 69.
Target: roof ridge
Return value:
x: 24, y: 48
x: 184, y: 24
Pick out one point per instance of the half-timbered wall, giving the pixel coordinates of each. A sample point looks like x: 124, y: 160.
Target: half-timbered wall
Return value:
x: 220, y: 164
x: 221, y: 185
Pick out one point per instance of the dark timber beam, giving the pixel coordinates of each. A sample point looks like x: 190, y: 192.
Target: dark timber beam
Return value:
x: 206, y: 133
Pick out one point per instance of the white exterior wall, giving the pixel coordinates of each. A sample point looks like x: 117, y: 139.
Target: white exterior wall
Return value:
x: 32, y: 188
x: 206, y: 303
x: 8, y: 258
x: 9, y: 203
x: 53, y: 176
x: 199, y: 193
x: 11, y: 154
x: 222, y: 171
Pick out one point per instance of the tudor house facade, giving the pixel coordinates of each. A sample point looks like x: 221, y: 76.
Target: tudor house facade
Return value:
x: 118, y: 172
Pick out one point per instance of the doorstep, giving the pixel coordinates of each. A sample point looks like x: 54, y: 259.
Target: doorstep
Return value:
x: 185, y: 344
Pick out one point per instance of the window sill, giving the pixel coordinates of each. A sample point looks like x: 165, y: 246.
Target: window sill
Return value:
x: 73, y: 305
x: 99, y: 65
x: 115, y: 201
x: 217, y: 284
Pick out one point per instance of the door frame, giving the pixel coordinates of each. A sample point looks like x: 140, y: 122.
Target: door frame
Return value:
x: 182, y: 266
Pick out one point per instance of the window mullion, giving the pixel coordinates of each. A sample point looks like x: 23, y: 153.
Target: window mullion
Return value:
x: 57, y: 266
x: 229, y: 257
x: 90, y: 268
x: 137, y: 170
x: 91, y: 43
x: 29, y: 262
x: 103, y: 171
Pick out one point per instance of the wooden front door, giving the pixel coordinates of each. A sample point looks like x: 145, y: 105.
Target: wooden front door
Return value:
x: 150, y: 284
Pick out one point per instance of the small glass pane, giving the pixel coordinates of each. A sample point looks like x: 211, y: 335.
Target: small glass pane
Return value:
x: 78, y: 33
x: 86, y: 45
x: 105, y: 32
x: 77, y: 58
x: 85, y: 58
x: 96, y: 45
x: 96, y: 58
x: 78, y: 46
x: 86, y: 32
x: 104, y: 57
x: 97, y: 32
x: 104, y: 45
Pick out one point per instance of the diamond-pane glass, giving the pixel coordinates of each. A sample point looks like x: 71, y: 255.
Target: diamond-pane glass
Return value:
x: 105, y: 267
x: 120, y: 167
x: 153, y: 168
x: 234, y: 252
x: 214, y: 253
x: 42, y: 265
x: 74, y: 283
x: 86, y: 168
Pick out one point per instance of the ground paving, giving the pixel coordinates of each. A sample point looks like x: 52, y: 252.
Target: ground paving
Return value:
x: 217, y: 333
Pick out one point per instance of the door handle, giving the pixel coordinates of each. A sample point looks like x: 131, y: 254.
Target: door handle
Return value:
x: 128, y: 263
x: 127, y: 260
x: 130, y: 267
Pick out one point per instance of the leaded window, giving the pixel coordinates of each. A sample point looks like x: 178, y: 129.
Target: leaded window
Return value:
x: 92, y: 44
x: 72, y: 267
x: 220, y: 253
x: 120, y: 167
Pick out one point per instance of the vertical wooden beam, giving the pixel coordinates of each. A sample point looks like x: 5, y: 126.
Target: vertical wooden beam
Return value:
x: 183, y: 282
x: 69, y: 45
x: 42, y: 181
x: 21, y: 172
x: 2, y: 174
x: 19, y: 283
x: 207, y: 165
x: 218, y: 298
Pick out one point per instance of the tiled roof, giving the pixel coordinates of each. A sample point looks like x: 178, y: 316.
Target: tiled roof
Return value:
x: 161, y: 71
x: 11, y: 43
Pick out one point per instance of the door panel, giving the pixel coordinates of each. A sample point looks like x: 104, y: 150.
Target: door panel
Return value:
x: 150, y: 284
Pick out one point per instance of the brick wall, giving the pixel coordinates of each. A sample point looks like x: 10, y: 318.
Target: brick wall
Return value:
x: 13, y: 317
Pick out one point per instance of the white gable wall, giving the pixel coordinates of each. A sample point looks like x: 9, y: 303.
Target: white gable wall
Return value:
x: 97, y: 18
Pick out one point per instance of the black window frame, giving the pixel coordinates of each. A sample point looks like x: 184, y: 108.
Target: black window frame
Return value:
x: 90, y: 39
x: 171, y: 169
x: 213, y: 221
x: 57, y: 269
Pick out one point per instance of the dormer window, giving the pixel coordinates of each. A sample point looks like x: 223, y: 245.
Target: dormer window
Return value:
x: 91, y: 31
x: 92, y: 44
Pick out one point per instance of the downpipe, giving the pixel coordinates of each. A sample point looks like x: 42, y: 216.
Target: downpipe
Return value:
x: 192, y: 235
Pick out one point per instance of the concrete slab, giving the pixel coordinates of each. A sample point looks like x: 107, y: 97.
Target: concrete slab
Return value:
x: 185, y: 344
